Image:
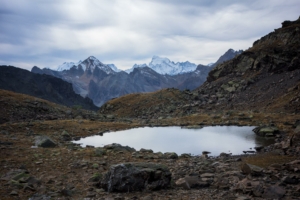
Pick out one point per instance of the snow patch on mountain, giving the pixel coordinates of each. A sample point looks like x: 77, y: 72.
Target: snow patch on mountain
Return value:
x: 67, y: 66
x: 114, y: 67
x: 135, y: 66
x: 165, y: 66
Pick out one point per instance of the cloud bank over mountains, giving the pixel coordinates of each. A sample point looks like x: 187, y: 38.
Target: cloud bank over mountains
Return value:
x: 48, y: 33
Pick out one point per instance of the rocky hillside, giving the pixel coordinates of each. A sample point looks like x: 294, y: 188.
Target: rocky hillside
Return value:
x: 265, y: 77
x: 18, y: 107
x: 228, y: 55
x: 42, y: 86
x: 154, y: 105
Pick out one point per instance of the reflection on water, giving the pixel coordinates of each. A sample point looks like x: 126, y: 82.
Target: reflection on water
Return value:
x: 216, y: 139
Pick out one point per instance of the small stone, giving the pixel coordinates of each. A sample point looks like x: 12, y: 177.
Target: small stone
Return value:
x: 14, y: 193
x: 251, y: 169
x: 171, y: 155
x: 146, y: 150
x: 189, y: 182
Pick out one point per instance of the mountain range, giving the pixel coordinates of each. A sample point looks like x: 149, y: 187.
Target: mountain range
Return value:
x: 101, y: 82
x: 165, y: 66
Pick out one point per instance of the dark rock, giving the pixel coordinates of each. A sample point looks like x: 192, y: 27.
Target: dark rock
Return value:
x: 248, y: 186
x: 293, y: 166
x: 118, y: 147
x: 224, y: 154
x: 14, y: 193
x: 44, y: 141
x: 251, y: 169
x: 185, y: 155
x: 40, y: 197
x: 6, y: 143
x: 189, y: 182
x: 274, y: 192
x: 127, y: 177
x: 146, y: 150
x: 259, y: 148
x: 205, y: 152
x: 4, y: 132
x: 170, y: 155
x: 291, y: 179
x: 266, y: 131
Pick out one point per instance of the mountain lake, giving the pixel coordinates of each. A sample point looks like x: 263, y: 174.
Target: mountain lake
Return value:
x: 215, y: 139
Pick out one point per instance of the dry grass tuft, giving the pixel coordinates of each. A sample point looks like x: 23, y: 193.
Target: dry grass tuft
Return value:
x: 267, y: 159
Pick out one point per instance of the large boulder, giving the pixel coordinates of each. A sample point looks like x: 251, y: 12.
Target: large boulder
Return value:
x: 44, y: 141
x: 127, y: 177
x: 266, y: 131
x: 117, y: 147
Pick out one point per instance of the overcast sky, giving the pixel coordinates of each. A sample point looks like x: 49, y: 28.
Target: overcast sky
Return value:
x: 47, y: 33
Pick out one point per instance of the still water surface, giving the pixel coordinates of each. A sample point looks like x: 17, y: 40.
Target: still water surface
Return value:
x: 216, y: 139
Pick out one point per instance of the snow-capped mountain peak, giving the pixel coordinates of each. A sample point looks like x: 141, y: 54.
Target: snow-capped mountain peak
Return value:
x: 89, y: 64
x: 159, y: 60
x: 165, y: 66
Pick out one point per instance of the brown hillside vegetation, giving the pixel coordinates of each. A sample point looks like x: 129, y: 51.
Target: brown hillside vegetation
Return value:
x: 16, y: 107
x: 165, y: 101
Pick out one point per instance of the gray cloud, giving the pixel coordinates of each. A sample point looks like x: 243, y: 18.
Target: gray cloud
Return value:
x: 47, y: 33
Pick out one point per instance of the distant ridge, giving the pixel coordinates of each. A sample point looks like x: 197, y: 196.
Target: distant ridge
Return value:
x: 42, y: 86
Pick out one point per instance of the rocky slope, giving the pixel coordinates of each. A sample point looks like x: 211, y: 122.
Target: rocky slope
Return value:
x: 228, y: 55
x: 265, y: 77
x: 42, y: 86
